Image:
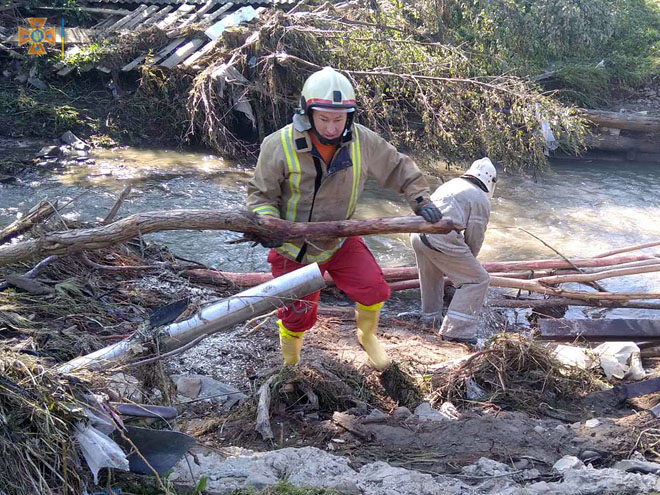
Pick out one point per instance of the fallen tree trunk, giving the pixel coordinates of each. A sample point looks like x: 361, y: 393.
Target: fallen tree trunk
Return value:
x: 627, y: 121
x: 607, y: 142
x: 37, y: 214
x: 76, y: 241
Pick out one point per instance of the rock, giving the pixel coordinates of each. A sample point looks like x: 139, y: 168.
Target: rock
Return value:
x: 48, y: 151
x: 37, y: 83
x: 424, y: 412
x: 379, y: 478
x: 592, y: 423
x: 531, y: 474
x: 74, y: 141
x: 214, y: 390
x: 401, y: 413
x: 189, y: 386
x: 561, y: 429
x: 449, y: 410
x: 126, y: 387
x: 539, y: 429
x: 590, y: 456
x: 376, y: 415
x: 637, y: 466
x: 486, y: 467
x: 568, y: 462
x: 308, y: 467
x: 521, y: 464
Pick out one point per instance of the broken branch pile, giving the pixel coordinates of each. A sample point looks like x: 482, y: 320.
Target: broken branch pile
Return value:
x: 428, y: 96
x: 513, y: 370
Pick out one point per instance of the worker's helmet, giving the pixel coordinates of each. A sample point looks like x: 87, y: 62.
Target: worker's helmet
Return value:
x: 328, y: 90
x: 485, y: 172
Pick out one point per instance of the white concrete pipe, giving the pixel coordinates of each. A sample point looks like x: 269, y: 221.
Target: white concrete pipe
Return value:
x: 214, y: 317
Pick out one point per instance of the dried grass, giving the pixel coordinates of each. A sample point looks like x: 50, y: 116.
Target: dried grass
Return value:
x: 514, y: 371
x: 37, y: 412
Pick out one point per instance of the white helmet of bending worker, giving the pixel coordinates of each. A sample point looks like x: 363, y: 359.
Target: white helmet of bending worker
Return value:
x: 328, y: 90
x: 485, y: 172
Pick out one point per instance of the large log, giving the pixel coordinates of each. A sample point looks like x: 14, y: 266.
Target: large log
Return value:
x: 76, y: 241
x: 627, y: 121
x: 622, y: 143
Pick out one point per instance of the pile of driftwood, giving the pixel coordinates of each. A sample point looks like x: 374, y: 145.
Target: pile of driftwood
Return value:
x: 543, y: 277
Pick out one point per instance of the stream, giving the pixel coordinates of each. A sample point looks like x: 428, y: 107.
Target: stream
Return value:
x: 580, y: 209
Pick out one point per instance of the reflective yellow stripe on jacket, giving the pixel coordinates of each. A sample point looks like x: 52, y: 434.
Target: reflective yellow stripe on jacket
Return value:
x: 294, y: 172
x: 293, y: 164
x: 356, y: 155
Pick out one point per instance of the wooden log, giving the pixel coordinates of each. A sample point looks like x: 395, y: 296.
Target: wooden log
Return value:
x: 622, y: 143
x: 627, y: 121
x: 262, y: 425
x: 561, y: 301
x: 37, y: 214
x: 351, y: 424
x: 76, y: 241
x: 610, y: 329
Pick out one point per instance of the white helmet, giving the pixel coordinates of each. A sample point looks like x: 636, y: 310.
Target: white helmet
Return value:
x: 328, y: 90
x: 484, y: 170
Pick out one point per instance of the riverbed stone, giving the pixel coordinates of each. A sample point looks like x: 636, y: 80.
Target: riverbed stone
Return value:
x: 203, y: 387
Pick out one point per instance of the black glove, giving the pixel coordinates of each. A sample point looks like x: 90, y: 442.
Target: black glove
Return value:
x: 267, y: 243
x: 429, y: 212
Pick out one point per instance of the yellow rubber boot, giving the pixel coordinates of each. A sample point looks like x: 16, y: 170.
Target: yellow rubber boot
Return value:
x: 291, y: 344
x: 366, y: 318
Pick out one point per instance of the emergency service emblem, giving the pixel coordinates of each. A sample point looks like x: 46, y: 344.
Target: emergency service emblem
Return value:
x: 37, y: 35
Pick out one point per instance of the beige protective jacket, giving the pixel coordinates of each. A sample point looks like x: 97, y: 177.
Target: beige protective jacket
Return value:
x: 286, y: 175
x: 469, y: 207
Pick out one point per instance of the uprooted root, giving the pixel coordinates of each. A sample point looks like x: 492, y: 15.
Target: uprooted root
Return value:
x: 514, y: 371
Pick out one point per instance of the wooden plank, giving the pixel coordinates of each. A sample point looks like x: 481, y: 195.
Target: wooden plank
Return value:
x: 124, y: 20
x: 167, y: 50
x: 140, y: 18
x: 182, y: 53
x: 176, y: 15
x: 200, y: 53
x: 105, y: 23
x: 198, y: 13
x: 157, y: 16
x: 610, y: 329
x: 214, y: 15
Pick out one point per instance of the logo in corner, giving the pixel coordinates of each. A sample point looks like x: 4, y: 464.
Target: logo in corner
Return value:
x: 36, y: 35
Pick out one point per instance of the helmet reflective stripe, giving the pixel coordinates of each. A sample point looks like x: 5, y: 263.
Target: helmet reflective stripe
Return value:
x: 329, y: 89
x: 484, y: 170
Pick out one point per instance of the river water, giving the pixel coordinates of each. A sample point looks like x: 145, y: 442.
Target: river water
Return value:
x: 579, y: 208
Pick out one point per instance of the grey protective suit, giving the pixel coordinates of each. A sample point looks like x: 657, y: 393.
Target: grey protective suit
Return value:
x: 454, y: 255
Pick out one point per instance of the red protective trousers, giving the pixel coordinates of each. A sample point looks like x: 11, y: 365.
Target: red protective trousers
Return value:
x: 353, y: 268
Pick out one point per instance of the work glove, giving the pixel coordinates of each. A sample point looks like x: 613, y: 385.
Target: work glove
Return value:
x: 267, y: 243
x: 429, y: 212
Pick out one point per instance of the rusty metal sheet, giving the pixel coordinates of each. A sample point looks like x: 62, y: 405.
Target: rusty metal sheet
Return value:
x: 610, y: 329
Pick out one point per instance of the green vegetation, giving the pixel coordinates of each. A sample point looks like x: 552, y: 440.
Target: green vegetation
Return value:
x: 284, y: 488
x: 616, y: 42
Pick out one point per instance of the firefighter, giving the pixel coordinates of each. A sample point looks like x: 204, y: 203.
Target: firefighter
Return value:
x: 313, y: 170
x: 466, y: 200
